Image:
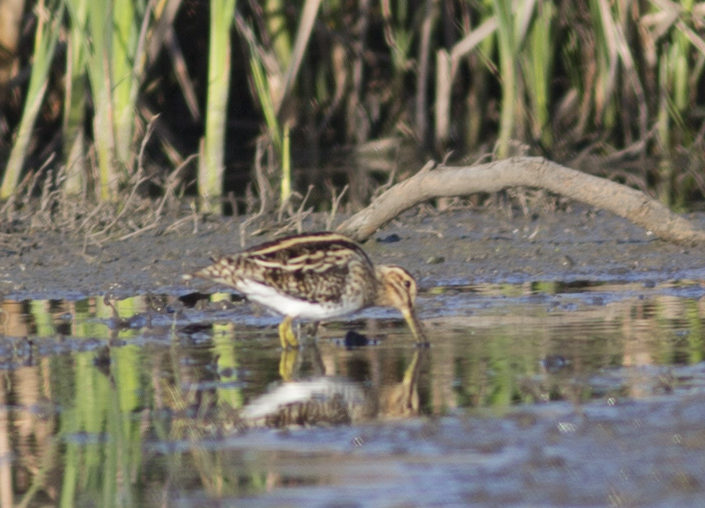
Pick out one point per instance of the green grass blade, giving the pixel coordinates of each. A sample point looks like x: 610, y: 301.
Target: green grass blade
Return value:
x: 303, y: 36
x: 48, y: 27
x: 211, y: 164
x: 75, y: 101
x: 507, y: 46
x: 98, y: 29
x: 262, y: 89
x: 537, y: 65
x: 286, y: 165
x: 276, y: 26
x: 125, y: 34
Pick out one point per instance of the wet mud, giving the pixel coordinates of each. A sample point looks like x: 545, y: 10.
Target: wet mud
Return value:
x: 439, y: 248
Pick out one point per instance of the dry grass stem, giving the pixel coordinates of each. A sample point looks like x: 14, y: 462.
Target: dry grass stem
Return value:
x: 334, y: 205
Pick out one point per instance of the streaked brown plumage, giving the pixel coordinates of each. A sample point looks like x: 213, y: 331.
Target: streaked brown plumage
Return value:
x: 315, y: 276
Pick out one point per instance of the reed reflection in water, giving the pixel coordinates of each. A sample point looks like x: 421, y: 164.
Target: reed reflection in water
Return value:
x: 132, y: 401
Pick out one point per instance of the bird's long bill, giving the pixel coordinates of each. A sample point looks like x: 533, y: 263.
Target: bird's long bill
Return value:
x: 414, y: 325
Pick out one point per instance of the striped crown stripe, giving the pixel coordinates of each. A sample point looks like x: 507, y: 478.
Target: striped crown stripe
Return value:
x: 293, y: 241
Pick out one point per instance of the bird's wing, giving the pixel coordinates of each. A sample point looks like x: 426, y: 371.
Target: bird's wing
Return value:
x: 314, y: 268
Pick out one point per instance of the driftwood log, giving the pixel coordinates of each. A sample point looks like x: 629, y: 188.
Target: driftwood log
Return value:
x: 445, y: 181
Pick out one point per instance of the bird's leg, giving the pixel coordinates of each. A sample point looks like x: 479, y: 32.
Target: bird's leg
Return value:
x: 315, y: 326
x: 287, y: 362
x: 286, y: 334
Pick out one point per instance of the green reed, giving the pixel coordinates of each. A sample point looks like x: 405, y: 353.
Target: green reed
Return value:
x: 673, y: 29
x: 47, y: 32
x: 274, y: 68
x: 74, y: 111
x: 212, y: 160
x: 508, y: 44
x: 537, y: 63
x: 604, y: 76
x: 107, y: 45
x: 278, y: 30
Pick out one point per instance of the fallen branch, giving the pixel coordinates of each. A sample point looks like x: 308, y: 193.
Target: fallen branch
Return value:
x: 446, y: 181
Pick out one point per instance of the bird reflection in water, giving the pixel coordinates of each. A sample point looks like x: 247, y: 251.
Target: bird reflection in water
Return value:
x: 336, y: 400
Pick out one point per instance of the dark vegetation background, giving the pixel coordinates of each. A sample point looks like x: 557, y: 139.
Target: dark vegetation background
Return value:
x: 377, y: 86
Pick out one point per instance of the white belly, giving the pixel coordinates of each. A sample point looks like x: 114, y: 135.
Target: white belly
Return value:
x: 293, y: 307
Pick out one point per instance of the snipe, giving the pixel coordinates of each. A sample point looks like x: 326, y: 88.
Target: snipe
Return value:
x: 315, y: 276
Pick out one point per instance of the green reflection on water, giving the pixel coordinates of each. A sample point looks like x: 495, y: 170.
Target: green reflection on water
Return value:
x: 143, y: 411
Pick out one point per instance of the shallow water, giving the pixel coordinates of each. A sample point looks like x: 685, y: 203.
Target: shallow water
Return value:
x: 530, y: 394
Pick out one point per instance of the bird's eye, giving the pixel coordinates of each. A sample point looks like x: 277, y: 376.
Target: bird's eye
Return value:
x: 407, y: 284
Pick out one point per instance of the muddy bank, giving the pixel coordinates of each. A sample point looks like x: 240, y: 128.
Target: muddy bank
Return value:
x: 440, y: 248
